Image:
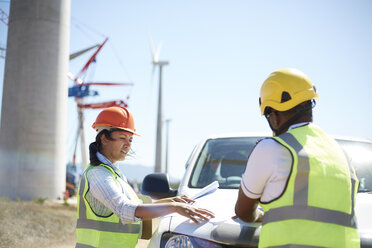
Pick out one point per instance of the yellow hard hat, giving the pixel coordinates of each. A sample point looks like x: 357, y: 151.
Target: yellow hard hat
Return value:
x: 285, y: 89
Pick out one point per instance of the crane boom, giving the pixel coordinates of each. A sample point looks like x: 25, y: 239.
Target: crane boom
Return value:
x: 82, y: 71
x: 4, y: 18
x: 101, y: 105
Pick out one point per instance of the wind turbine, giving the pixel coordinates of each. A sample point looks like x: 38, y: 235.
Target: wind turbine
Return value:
x: 159, y: 133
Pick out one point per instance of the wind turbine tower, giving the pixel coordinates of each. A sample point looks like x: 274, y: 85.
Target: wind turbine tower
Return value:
x: 159, y: 128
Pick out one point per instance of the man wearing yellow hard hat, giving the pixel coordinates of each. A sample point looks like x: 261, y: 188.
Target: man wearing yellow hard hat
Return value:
x: 300, y: 177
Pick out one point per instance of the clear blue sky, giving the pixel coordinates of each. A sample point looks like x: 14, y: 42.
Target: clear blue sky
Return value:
x: 220, y: 52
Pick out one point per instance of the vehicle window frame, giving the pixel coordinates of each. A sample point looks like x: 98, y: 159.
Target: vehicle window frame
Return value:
x: 203, y: 156
x: 344, y: 143
x: 192, y: 181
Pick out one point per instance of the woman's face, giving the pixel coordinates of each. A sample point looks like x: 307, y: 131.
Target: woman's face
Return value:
x: 117, y: 148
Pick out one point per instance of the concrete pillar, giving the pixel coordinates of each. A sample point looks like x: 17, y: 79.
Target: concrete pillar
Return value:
x: 33, y: 115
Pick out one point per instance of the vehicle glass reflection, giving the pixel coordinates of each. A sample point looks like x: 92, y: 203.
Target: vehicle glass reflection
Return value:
x: 360, y: 154
x: 223, y: 160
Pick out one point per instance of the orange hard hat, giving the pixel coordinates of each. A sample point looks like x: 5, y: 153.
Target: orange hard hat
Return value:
x: 115, y: 117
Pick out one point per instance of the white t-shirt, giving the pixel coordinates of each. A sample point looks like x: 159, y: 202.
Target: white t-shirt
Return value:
x: 267, y: 170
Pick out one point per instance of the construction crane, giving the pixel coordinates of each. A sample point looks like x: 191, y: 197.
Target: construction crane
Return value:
x: 4, y: 18
x: 79, y: 90
x: 2, y: 52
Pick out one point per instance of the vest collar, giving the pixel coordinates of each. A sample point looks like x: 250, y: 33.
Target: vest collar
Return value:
x: 298, y: 125
x: 105, y: 161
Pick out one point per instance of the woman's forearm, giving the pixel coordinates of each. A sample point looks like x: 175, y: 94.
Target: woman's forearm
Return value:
x: 151, y: 211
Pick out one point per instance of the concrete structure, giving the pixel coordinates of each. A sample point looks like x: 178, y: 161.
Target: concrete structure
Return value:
x: 33, y: 121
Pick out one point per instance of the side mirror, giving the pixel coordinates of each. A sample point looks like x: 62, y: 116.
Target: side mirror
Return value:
x: 156, y: 185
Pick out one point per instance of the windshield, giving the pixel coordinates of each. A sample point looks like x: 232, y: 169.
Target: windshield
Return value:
x: 360, y: 154
x: 224, y: 160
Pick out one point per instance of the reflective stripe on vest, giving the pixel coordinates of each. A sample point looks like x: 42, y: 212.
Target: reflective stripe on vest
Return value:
x: 108, y: 226
x: 296, y: 246
x: 83, y: 246
x: 300, y: 208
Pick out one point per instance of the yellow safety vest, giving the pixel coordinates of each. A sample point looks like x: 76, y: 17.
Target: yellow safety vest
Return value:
x: 103, y: 231
x: 316, y: 208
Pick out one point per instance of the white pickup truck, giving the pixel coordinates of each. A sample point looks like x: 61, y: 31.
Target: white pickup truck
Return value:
x: 223, y: 159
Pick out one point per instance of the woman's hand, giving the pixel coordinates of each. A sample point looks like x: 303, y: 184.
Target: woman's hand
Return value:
x: 178, y: 205
x: 193, y: 213
x: 183, y: 199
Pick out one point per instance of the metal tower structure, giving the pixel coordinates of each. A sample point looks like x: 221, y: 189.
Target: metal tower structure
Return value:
x: 159, y: 127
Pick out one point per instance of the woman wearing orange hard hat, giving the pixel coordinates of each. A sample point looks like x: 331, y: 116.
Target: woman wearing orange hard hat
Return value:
x: 109, y: 212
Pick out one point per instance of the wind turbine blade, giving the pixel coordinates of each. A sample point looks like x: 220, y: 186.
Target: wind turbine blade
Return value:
x: 79, y: 80
x: 71, y: 76
x: 78, y: 53
x: 158, y: 51
x: 154, y: 58
x: 74, y: 78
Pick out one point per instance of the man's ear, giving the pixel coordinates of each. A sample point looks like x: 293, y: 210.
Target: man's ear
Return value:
x: 275, y: 119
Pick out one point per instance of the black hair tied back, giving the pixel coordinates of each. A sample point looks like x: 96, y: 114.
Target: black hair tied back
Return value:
x: 93, y: 149
x: 96, y: 146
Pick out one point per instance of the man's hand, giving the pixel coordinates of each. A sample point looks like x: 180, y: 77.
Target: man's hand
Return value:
x: 246, y: 208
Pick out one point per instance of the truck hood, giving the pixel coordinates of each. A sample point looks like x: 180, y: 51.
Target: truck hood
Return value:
x: 233, y: 231
x: 223, y: 228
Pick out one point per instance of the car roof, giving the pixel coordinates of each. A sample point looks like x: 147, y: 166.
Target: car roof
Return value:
x: 265, y: 134
x: 350, y: 138
x: 237, y: 135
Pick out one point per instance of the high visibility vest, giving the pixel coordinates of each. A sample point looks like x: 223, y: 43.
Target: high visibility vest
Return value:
x: 104, y: 231
x: 316, y: 208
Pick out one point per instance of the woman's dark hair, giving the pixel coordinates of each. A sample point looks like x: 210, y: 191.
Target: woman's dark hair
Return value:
x: 96, y: 146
